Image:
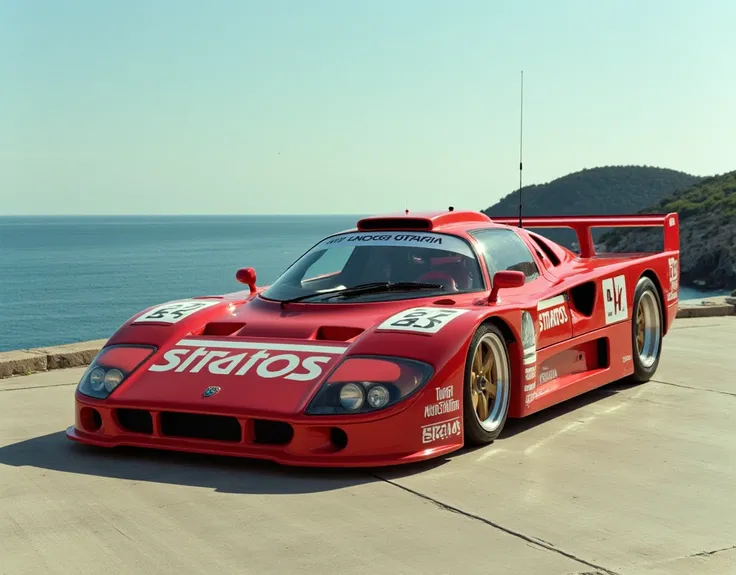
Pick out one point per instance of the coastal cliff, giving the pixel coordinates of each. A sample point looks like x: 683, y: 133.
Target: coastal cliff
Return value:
x: 607, y: 190
x: 707, y: 212
x: 706, y: 207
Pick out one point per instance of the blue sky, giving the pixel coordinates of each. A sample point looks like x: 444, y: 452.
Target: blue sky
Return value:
x: 349, y: 107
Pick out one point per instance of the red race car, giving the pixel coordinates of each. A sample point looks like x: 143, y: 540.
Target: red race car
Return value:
x: 398, y: 341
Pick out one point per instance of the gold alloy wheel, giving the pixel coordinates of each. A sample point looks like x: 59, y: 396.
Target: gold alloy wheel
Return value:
x: 489, y: 381
x: 641, y: 326
x: 648, y: 332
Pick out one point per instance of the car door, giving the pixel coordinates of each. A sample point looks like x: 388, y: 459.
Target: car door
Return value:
x: 503, y: 249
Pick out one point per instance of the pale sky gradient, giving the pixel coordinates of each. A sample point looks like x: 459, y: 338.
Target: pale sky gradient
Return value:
x: 296, y: 106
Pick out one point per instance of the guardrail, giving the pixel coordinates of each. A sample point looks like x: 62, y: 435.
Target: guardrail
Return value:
x: 27, y: 361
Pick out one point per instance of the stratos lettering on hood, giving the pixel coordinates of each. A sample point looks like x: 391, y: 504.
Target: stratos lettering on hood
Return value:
x: 265, y: 360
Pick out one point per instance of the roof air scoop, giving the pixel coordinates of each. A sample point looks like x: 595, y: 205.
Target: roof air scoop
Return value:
x: 389, y: 223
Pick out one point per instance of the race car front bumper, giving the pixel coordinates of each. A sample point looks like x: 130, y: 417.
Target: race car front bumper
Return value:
x: 391, y: 440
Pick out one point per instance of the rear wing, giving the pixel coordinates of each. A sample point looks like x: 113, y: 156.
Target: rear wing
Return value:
x: 582, y: 225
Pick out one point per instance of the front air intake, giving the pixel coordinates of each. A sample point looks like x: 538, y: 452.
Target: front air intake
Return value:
x: 200, y: 426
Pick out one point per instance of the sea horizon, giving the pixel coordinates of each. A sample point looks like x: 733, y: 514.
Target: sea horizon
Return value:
x: 78, y: 277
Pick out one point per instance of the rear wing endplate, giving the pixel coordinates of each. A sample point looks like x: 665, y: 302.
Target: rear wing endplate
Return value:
x: 582, y: 225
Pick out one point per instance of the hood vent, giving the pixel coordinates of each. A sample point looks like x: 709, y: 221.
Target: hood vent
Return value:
x: 337, y: 333
x: 222, y: 328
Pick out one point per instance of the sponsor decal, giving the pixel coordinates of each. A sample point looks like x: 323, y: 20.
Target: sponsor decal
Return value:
x: 421, y: 319
x: 626, y: 358
x: 446, y: 403
x: 428, y: 239
x: 674, y: 276
x: 530, y: 397
x: 266, y: 360
x: 174, y: 311
x: 441, y: 431
x: 614, y: 299
x: 532, y: 392
x: 530, y: 373
x: 547, y: 375
x: 552, y: 316
x: 528, y: 338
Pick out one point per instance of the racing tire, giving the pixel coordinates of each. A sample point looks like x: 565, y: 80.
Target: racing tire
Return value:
x: 487, y: 360
x: 647, y: 331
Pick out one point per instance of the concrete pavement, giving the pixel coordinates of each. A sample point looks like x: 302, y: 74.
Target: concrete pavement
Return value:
x: 624, y: 480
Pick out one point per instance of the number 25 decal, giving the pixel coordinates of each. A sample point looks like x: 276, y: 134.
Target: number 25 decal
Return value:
x: 172, y: 312
x: 421, y: 319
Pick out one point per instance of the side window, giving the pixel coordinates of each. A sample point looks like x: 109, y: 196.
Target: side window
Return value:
x: 504, y: 250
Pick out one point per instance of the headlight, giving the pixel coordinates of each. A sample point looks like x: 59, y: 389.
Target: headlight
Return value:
x: 366, y: 384
x: 110, y: 368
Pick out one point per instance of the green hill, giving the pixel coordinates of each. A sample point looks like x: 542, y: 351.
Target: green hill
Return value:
x: 596, y: 191
x: 707, y: 213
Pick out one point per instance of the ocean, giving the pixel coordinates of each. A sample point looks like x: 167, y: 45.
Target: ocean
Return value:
x: 69, y: 279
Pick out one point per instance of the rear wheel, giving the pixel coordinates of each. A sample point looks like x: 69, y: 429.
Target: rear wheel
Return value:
x: 487, y: 388
x: 647, y: 329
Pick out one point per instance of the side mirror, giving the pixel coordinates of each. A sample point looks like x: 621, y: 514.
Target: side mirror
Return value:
x: 247, y: 276
x: 505, y: 279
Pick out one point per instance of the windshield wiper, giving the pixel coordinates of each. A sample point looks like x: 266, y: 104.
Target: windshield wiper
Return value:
x: 367, y: 288
x: 379, y: 287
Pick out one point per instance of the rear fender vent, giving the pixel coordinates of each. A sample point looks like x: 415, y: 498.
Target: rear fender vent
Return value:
x: 372, y: 224
x: 583, y: 298
x: 337, y: 333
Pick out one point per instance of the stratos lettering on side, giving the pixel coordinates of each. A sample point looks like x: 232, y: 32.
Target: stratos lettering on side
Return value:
x: 552, y: 313
x: 267, y: 361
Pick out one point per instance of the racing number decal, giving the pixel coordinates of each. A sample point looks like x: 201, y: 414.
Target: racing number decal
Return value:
x: 421, y: 319
x: 174, y: 311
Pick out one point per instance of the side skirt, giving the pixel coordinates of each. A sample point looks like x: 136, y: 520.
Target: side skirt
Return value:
x: 573, y: 367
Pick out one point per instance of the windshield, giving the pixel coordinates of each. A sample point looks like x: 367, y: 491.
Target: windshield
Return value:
x: 344, y: 261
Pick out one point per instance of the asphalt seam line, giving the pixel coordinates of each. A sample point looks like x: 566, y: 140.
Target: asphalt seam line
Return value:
x: 683, y: 386
x: 527, y: 538
x: 709, y: 553
x: 24, y: 388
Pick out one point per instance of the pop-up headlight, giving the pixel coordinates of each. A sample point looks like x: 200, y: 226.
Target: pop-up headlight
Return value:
x: 366, y: 384
x: 110, y: 368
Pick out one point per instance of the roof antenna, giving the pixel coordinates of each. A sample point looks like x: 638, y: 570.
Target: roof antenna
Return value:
x: 521, y: 141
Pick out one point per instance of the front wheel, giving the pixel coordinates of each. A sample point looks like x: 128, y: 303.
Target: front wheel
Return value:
x: 487, y: 388
x: 647, y: 329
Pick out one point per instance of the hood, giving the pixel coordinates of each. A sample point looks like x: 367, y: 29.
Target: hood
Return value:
x: 218, y: 374
x: 256, y: 357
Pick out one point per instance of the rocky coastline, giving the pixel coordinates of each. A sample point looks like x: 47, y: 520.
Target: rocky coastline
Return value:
x: 707, y: 213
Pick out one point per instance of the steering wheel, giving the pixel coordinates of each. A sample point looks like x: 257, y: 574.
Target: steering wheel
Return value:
x: 439, y: 277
